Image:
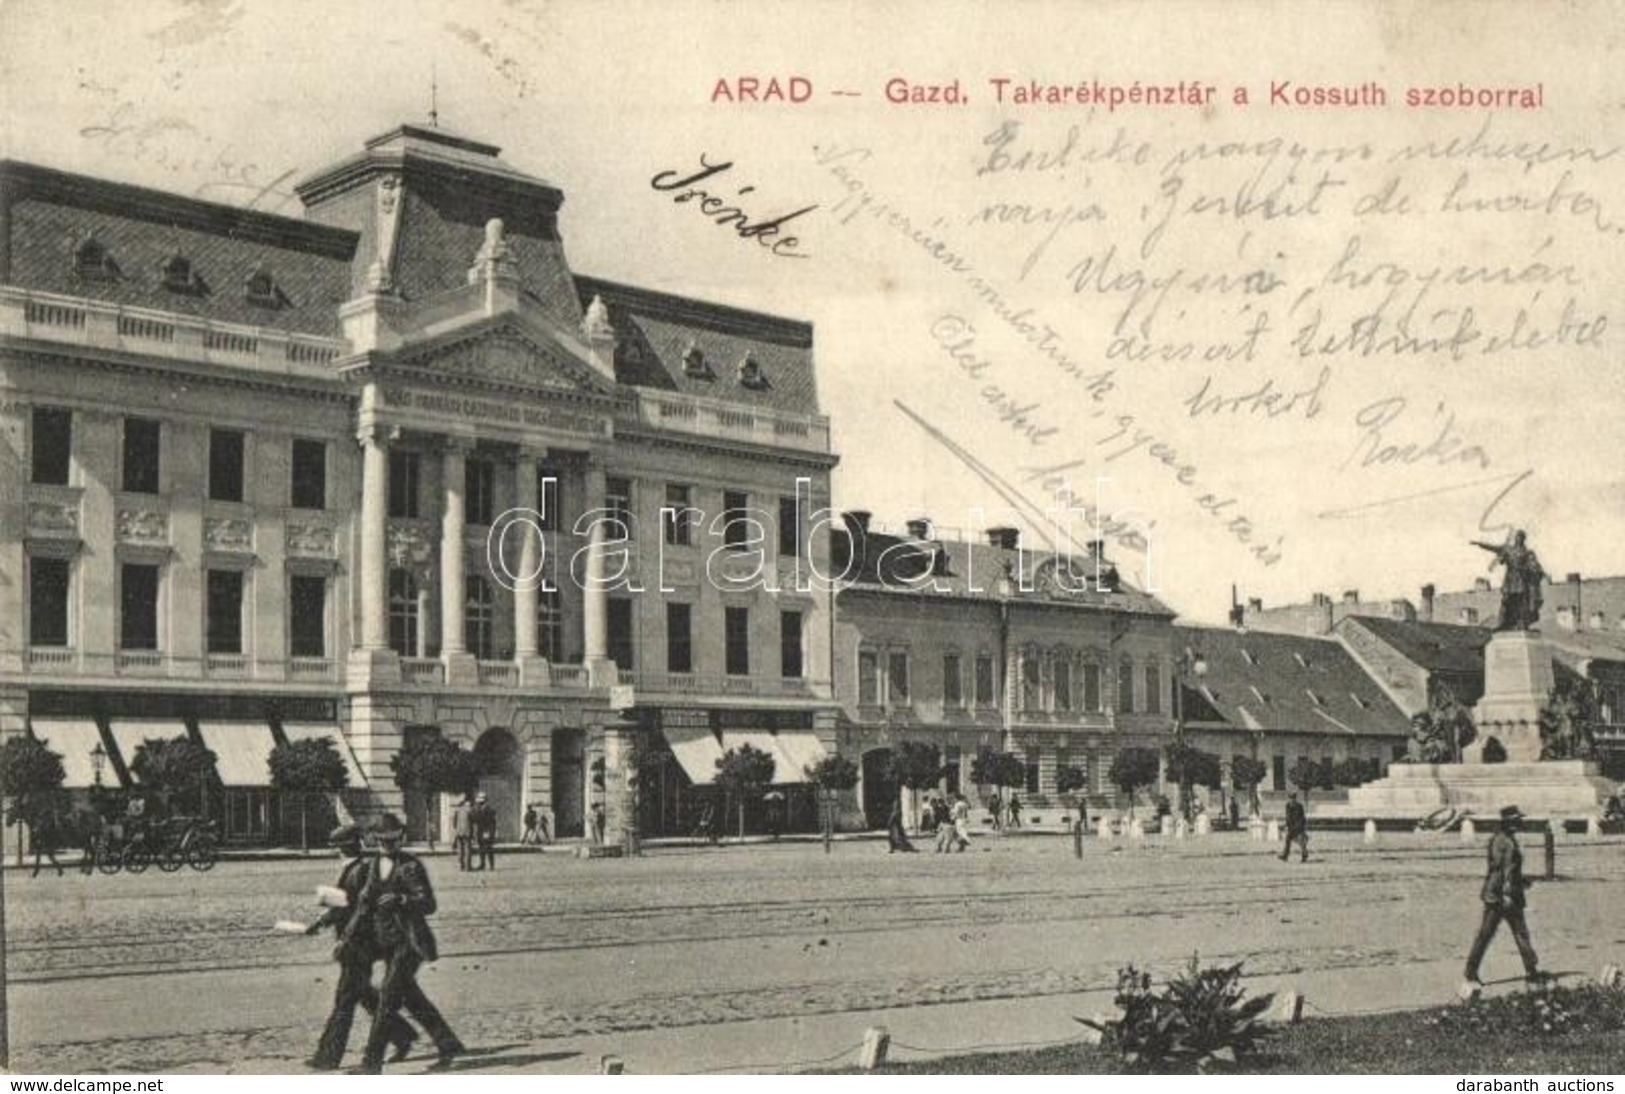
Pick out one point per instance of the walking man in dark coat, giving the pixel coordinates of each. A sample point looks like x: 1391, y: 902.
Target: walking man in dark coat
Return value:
x: 1503, y: 898
x: 462, y: 833
x: 1297, y: 828
x: 485, y: 834
x: 355, y: 959
x: 395, y: 903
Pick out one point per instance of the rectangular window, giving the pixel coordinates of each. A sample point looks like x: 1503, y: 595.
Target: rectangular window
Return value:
x: 621, y: 643
x: 1153, y: 689
x: 52, y: 445
x: 1091, y: 688
x: 548, y: 512
x: 141, y: 456
x: 405, y: 469
x: 550, y: 623
x: 953, y: 687
x: 138, y: 607
x: 790, y: 531
x: 479, y: 491
x: 225, y: 465
x: 1125, y: 688
x: 678, y: 515
x: 1031, y: 684
x: 618, y: 500
x: 48, y: 601
x: 734, y: 528
x: 223, y: 592
x: 1032, y: 776
x: 950, y: 769
x: 986, y: 694
x: 736, y: 632
x: 868, y: 678
x: 790, y: 645
x: 403, y: 612
x: 1063, y: 759
x: 307, y: 615
x: 897, y: 677
x: 679, y: 638
x: 1063, y: 685
x: 309, y: 474
x: 1278, y: 772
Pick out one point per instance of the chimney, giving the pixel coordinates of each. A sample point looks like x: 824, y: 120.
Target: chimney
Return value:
x: 1097, y: 548
x: 1481, y: 584
x: 1238, y: 617
x: 1351, y: 596
x: 1255, y: 604
x: 920, y: 527
x: 1319, y: 599
x: 1004, y: 537
x: 1427, y: 603
x: 858, y: 519
x: 1573, y: 579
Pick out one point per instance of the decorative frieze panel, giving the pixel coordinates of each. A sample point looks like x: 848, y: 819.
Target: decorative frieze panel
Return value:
x: 228, y: 535
x: 143, y: 527
x: 53, y: 519
x: 411, y: 546
x: 308, y: 540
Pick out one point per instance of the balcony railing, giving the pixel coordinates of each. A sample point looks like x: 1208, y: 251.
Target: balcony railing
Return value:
x: 312, y: 668
x: 231, y: 665
x: 422, y: 670
x: 75, y: 320
x: 715, y: 418
x: 143, y: 662
x: 569, y: 676
x: 51, y: 659
x: 499, y: 673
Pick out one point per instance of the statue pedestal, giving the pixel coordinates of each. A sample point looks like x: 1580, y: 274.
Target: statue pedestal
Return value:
x: 1518, y: 680
x: 1555, y: 788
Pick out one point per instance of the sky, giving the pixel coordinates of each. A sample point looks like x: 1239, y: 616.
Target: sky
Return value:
x: 1020, y: 249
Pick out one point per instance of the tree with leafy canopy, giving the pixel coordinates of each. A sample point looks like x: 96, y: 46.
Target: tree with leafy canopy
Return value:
x: 916, y: 766
x: 832, y: 772
x: 743, y: 773
x: 1246, y: 773
x: 432, y: 764
x: 1351, y: 771
x: 1307, y: 774
x: 307, y: 767
x: 1189, y: 766
x: 1070, y: 780
x: 177, y: 769
x: 31, y: 778
x: 1133, y: 768
x: 1004, y: 770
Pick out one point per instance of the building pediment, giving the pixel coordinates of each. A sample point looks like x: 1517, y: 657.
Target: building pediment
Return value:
x: 510, y: 357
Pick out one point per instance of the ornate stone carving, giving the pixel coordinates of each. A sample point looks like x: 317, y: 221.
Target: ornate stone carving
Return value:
x: 507, y: 358
x: 411, y: 546
x: 310, y: 540
x: 53, y: 518
x: 231, y: 535
x: 494, y: 258
x: 145, y: 526
x: 595, y: 325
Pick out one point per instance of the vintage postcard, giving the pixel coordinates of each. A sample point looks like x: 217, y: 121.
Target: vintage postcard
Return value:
x: 719, y: 538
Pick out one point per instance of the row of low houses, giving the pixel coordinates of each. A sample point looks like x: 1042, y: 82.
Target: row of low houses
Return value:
x: 265, y: 479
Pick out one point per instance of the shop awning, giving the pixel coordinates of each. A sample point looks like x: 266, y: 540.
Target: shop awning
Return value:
x: 242, y: 751
x: 128, y: 733
x: 307, y: 731
x: 73, y: 739
x: 791, y: 751
x: 696, y: 750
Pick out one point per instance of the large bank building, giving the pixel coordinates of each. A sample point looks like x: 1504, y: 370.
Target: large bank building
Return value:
x: 250, y: 466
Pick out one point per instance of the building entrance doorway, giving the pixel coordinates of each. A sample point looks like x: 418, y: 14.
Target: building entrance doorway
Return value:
x: 879, y: 788
x: 500, y: 760
x: 569, y: 782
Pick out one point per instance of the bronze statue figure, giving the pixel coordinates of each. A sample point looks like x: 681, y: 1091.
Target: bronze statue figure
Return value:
x: 1520, y: 589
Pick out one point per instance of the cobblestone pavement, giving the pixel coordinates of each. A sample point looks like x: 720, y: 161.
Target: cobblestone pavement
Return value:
x: 182, y: 972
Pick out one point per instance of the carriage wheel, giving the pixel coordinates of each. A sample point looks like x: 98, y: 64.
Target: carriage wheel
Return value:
x: 106, y: 861
x: 202, y: 855
x: 172, y: 858
x: 137, y: 859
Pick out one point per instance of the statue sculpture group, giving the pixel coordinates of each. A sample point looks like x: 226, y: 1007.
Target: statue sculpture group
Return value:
x: 1520, y: 588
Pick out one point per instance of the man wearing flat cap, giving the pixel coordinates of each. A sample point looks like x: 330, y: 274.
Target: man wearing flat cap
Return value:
x: 1503, y: 898
x: 395, y: 903
x: 355, y: 958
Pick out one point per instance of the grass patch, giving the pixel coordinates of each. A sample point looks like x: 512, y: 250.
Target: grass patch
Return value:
x: 1489, y: 1037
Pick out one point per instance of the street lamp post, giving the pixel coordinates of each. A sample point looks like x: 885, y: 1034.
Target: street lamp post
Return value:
x: 1189, y: 661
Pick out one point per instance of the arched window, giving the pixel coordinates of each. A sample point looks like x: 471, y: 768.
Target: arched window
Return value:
x: 1125, y: 687
x: 1091, y: 687
x: 403, y: 612
x: 178, y: 274
x: 479, y: 618
x: 550, y: 623
x: 1032, y: 693
x: 1061, y: 674
x: 92, y: 262
x: 261, y: 289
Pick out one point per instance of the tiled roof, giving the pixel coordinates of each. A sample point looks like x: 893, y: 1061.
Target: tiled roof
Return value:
x: 1436, y: 647
x: 975, y: 570
x: 52, y: 214
x: 1285, y: 683
x: 656, y: 332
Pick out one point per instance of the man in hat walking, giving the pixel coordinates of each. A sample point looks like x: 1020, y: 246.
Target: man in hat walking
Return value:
x: 485, y: 833
x: 1503, y: 898
x: 395, y: 903
x: 1297, y: 828
x: 462, y: 832
x: 355, y: 959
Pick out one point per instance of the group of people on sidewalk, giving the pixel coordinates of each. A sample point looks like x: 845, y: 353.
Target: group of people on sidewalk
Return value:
x: 951, y: 823
x: 474, y: 833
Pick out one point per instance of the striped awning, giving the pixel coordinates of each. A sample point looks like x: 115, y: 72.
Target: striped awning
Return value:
x: 791, y: 751
x: 73, y: 739
x: 128, y: 733
x: 242, y: 751
x: 696, y: 750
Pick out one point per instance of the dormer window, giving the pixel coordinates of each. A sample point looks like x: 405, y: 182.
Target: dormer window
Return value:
x: 694, y: 364
x: 261, y: 289
x: 751, y: 374
x: 179, y: 276
x: 92, y: 262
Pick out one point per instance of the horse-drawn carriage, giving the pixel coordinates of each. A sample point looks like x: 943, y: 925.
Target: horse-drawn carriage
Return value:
x: 135, y: 842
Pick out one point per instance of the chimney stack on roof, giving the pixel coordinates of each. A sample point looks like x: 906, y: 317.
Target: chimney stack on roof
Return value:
x: 1481, y: 584
x: 1351, y: 596
x: 1574, y: 579
x: 920, y: 527
x: 859, y: 519
x: 1427, y: 603
x: 1097, y: 548
x: 1320, y: 600
x: 1004, y: 537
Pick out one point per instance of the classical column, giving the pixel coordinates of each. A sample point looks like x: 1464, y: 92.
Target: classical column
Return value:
x: 526, y: 570
x: 453, y: 520
x: 374, y: 538
x: 595, y: 597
